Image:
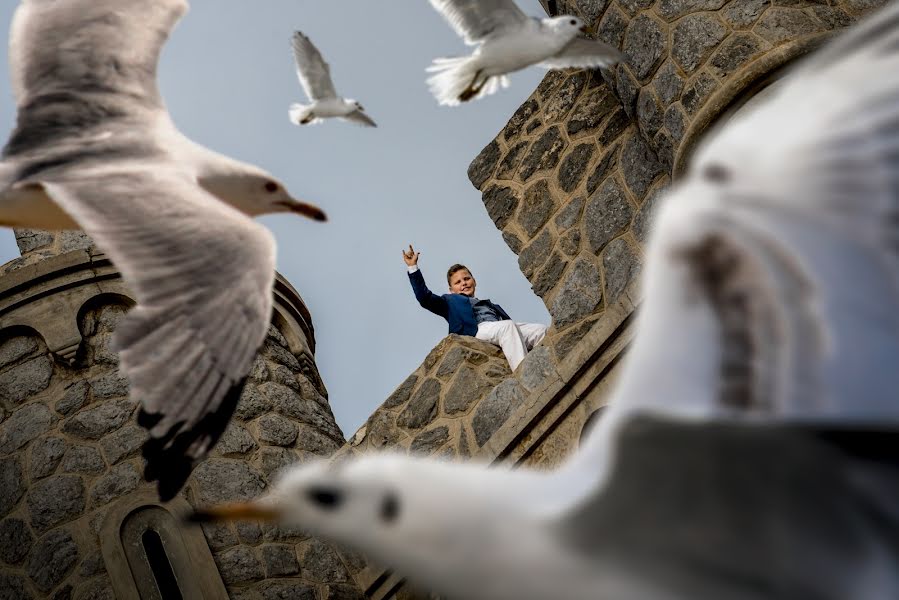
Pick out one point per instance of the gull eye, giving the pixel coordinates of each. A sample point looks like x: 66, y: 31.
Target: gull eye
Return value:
x: 390, y: 508
x: 325, y: 497
x: 271, y: 187
x: 573, y: 22
x: 716, y: 173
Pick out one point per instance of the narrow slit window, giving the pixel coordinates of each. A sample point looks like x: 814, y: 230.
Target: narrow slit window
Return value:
x: 166, y: 582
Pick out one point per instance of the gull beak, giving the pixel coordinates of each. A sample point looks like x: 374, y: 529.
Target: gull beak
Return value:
x: 238, y: 511
x: 305, y: 209
x: 584, y: 30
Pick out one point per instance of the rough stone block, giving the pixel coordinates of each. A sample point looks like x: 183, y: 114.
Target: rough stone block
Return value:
x: 621, y: 263
x: 532, y: 257
x: 694, y: 38
x: 675, y: 9
x: 594, y: 106
x: 13, y: 587
x: 644, y: 45
x: 217, y: 480
x: 273, y: 460
x: 51, y: 559
x: 401, y: 394
x: 280, y: 560
x: 422, y: 408
x: 495, y: 409
x: 276, y: 430
x: 565, y: 97
x: 537, y: 206
x: 283, y: 590
x: 21, y: 382
x: 123, y: 443
x: 235, y: 440
x: 734, y: 53
x: 521, y: 116
x: 544, y: 153
x: 15, y: 540
x: 607, y: 215
x: 94, y: 423
x: 321, y: 563
x: 98, y: 589
x: 481, y: 168
x: 54, y: 500
x: 120, y: 480
x: 639, y: 165
x: 574, y: 166
x: 83, y: 459
x: 219, y: 536
x: 23, y: 426
x: 536, y: 368
x: 780, y: 24
x: 252, y: 403
x: 698, y: 91
x: 668, y: 83
x: 45, y: 456
x: 16, y: 348
x: 110, y: 385
x: 73, y: 399
x: 549, y: 276
x: 509, y: 164
x: 579, y: 295
x: 239, y: 565
x: 500, y: 203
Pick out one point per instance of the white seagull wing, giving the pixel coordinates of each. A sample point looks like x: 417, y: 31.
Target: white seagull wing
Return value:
x: 475, y: 20
x: 584, y: 53
x: 312, y: 70
x: 357, y: 116
x: 89, y: 46
x: 202, y: 273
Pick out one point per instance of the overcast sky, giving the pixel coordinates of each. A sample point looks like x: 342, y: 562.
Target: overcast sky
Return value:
x: 227, y: 78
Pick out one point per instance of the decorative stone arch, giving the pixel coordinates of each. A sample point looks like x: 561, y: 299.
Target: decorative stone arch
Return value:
x: 147, y: 551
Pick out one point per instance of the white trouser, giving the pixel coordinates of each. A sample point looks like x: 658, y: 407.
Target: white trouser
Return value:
x: 514, y: 338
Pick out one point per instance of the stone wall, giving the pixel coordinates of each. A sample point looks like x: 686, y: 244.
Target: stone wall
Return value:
x: 70, y: 447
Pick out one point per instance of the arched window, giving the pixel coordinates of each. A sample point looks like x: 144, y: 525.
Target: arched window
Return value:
x: 590, y: 424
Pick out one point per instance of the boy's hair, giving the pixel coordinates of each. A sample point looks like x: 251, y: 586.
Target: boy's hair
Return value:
x: 453, y: 269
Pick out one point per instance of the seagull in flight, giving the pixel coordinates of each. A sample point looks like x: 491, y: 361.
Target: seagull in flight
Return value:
x: 95, y: 149
x: 315, y: 77
x: 507, y: 40
x: 749, y: 449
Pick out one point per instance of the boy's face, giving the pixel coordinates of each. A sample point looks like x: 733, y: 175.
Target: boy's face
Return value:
x: 461, y: 282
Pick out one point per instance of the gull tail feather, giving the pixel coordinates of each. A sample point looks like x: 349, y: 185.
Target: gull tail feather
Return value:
x: 453, y: 77
x: 301, y: 114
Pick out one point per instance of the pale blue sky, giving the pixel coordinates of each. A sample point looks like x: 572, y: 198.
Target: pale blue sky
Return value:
x: 227, y: 77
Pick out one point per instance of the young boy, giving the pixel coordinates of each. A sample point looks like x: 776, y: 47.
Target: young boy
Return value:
x: 468, y: 315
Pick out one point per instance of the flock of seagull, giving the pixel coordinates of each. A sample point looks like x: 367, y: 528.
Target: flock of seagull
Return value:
x: 749, y: 447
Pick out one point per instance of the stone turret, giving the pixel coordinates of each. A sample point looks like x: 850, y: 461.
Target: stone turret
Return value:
x: 76, y: 518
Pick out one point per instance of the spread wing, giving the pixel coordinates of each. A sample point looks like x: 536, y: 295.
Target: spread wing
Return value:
x: 313, y: 71
x: 357, y: 116
x: 78, y: 62
x: 202, y: 273
x: 475, y: 20
x: 584, y: 53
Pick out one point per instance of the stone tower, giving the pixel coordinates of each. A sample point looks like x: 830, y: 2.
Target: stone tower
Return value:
x: 76, y: 518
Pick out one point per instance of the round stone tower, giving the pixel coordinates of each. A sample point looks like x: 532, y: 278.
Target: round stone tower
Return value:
x: 76, y: 518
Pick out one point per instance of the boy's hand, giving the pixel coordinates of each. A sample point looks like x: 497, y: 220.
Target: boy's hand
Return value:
x: 410, y: 257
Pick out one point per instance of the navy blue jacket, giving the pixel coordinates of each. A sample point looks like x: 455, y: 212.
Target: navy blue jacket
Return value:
x: 455, y: 308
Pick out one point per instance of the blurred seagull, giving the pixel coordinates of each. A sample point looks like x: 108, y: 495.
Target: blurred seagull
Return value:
x: 94, y: 148
x: 315, y: 77
x: 508, y: 40
x: 760, y: 463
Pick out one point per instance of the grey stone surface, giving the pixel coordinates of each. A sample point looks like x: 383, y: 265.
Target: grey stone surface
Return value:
x: 252, y: 403
x: 51, y: 559
x: 536, y: 207
x: 321, y: 563
x: 500, y: 203
x: 381, y: 430
x: 70, y: 239
x: 621, y: 263
x: 73, y: 399
x: 110, y: 385
x: 549, y: 275
x: 12, y: 483
x: 428, y: 442
x: 550, y: 82
x: 832, y: 16
x: 519, y: 118
x: 239, y: 565
x: 643, y: 221
x: 15, y: 540
x: 612, y: 27
x: 509, y: 164
x: 466, y: 388
x: 123, y: 443
x: 543, y: 154
x: 613, y: 128
x: 693, y: 39
x: 54, y: 500
x: 564, y: 98
x: 98, y: 589
x: 401, y: 394
x: 495, y: 409
x: 574, y: 166
x: 644, y: 45
x: 455, y: 357
x: 13, y: 587
x: 286, y: 590
x: 290, y: 404
x: 570, y: 243
x: 343, y: 592
x: 45, y: 456
x: 248, y: 532
x: 602, y: 169
x: 103, y: 318
x: 668, y: 83
x: 276, y: 430
x: 235, y: 440
x: 273, y: 459
x: 536, y: 368
x: 532, y: 257
x: 17, y: 348
x: 579, y: 295
x: 23, y: 426
x: 94, y: 423
x: 639, y: 165
x: 733, y: 53
x: 280, y: 560
x: 422, y: 407
x: 566, y: 342
x: 259, y: 370
x: 779, y: 24
x: 22, y: 381
x: 633, y: 6
x: 481, y: 168
x: 281, y: 355
x: 83, y: 459
x: 218, y: 480
x: 698, y: 91
x: 649, y: 112
x: 120, y: 480
x: 594, y: 106
x: 570, y: 213
x: 675, y: 122
x: 607, y: 215
x: 512, y: 242
x: 219, y: 536
x: 32, y: 239
x: 675, y: 9
x: 744, y: 13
